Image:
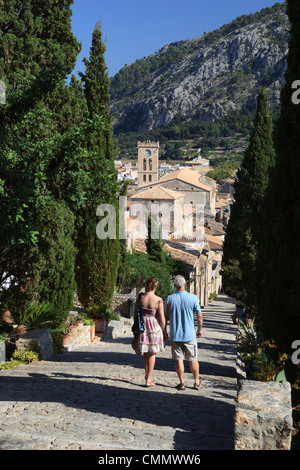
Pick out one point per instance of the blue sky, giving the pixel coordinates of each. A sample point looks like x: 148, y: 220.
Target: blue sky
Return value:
x: 137, y: 28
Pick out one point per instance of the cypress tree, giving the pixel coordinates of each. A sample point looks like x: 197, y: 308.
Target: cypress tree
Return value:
x: 278, y: 300
x: 153, y: 242
x: 37, y: 51
x: 96, y: 87
x: 53, y: 259
x: 244, y: 227
x: 98, y: 259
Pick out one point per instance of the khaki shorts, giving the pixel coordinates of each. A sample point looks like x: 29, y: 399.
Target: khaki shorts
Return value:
x: 184, y: 350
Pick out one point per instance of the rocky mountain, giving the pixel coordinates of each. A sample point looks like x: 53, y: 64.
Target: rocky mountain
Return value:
x: 205, y: 78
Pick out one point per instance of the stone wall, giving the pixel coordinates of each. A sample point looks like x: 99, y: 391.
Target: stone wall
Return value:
x: 83, y: 338
x: 263, y: 417
x: 120, y: 304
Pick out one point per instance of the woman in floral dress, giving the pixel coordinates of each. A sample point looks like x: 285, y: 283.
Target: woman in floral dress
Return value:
x: 152, y: 339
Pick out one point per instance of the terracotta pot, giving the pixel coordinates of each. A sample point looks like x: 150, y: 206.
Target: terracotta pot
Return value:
x: 100, y: 325
x: 5, y: 315
x: 66, y: 339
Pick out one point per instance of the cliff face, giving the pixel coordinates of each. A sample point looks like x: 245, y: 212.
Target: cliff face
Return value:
x: 207, y: 77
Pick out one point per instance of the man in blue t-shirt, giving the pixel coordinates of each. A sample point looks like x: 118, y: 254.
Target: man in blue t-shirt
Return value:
x: 180, y: 309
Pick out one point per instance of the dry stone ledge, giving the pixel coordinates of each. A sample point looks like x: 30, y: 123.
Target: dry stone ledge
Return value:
x: 37, y: 340
x: 263, y: 417
x: 118, y: 329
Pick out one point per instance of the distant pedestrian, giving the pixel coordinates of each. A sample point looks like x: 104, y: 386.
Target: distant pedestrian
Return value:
x: 151, y: 341
x: 180, y: 309
x: 239, y: 313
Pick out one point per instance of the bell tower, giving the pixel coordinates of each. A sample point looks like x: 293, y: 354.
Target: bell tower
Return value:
x: 147, y: 162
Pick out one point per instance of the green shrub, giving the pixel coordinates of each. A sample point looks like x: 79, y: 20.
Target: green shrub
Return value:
x: 113, y: 316
x: 19, y: 358
x: 138, y: 265
x: 25, y: 357
x: 6, y: 327
x: 259, y: 366
x: 247, y: 336
x: 56, y: 341
x: 96, y: 312
x: 89, y: 322
x: 82, y: 316
x: 9, y: 365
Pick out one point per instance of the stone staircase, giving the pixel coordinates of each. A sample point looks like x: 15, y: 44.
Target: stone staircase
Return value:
x: 93, y: 398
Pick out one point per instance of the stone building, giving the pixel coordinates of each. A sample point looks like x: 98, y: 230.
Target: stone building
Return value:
x: 148, y: 154
x: 187, y: 181
x: 166, y: 207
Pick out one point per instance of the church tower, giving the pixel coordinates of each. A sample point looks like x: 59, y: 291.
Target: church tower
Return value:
x: 147, y: 162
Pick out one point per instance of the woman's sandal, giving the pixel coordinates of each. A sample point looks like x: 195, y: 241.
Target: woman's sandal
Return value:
x: 180, y: 387
x: 197, y: 386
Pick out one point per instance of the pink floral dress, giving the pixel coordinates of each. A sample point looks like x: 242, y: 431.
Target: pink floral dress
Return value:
x: 151, y: 339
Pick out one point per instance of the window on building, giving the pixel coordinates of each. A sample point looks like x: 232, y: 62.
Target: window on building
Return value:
x: 145, y: 164
x: 150, y: 164
x: 150, y: 177
x: 144, y: 178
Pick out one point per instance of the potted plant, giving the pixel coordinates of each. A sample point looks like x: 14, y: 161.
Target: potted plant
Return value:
x: 81, y: 317
x: 66, y: 333
x: 99, y: 317
x: 37, y: 315
x: 73, y: 321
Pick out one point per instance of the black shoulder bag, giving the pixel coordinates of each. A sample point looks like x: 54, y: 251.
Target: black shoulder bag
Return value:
x: 138, y: 325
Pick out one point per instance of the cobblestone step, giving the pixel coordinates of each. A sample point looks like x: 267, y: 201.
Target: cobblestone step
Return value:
x: 94, y: 398
x: 55, y: 433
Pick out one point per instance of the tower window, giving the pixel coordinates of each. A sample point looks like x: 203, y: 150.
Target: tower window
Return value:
x: 145, y: 164
x: 144, y: 178
x: 150, y: 164
x: 150, y: 177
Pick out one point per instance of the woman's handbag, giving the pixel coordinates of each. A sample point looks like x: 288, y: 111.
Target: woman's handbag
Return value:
x: 138, y: 325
